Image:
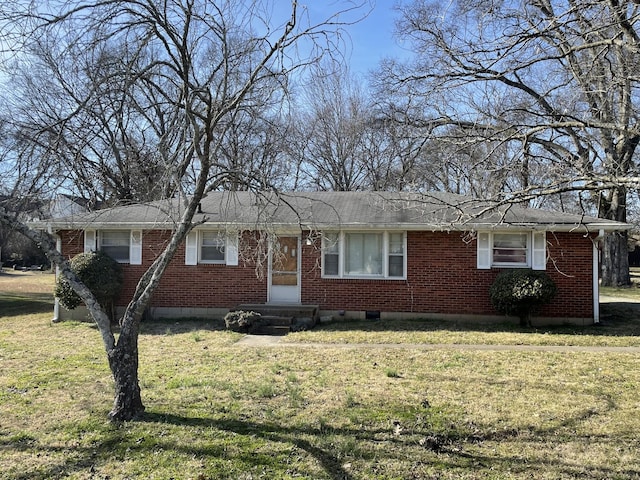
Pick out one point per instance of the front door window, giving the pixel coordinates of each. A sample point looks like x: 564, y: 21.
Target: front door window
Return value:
x: 285, y: 262
x: 284, y: 270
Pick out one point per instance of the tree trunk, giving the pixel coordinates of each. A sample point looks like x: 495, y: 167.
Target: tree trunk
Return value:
x: 615, y: 252
x: 123, y: 361
x: 525, y: 318
x: 615, y: 260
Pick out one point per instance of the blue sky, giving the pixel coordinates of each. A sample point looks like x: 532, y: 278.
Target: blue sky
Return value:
x: 369, y: 40
x: 373, y: 39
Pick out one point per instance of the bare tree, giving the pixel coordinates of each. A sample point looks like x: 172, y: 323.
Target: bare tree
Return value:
x: 73, y: 97
x: 553, y: 83
x: 251, y: 152
x: 182, y: 69
x: 328, y: 130
x: 392, y: 153
x: 23, y: 186
x: 340, y: 141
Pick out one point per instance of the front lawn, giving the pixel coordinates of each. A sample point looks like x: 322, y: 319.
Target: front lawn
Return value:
x: 220, y: 410
x: 620, y: 327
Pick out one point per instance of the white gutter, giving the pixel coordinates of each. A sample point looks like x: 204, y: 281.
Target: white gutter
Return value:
x: 56, y: 300
x: 596, y: 277
x: 244, y: 225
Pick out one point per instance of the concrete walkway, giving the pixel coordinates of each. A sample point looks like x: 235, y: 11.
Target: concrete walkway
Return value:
x: 275, y: 341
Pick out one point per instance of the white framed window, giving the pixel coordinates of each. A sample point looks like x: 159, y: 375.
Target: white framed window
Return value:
x: 364, y: 254
x: 124, y: 246
x: 396, y: 255
x: 512, y: 250
x: 331, y: 254
x: 210, y: 247
x: 116, y: 244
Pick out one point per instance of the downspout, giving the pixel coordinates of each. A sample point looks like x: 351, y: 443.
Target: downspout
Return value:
x: 56, y: 301
x: 596, y: 277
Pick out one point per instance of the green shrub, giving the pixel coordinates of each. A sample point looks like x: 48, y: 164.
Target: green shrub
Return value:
x: 240, y: 320
x: 99, y: 272
x: 521, y: 292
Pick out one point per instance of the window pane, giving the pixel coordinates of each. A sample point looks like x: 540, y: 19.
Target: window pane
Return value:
x: 331, y: 251
x: 115, y: 243
x: 510, y: 248
x: 119, y: 254
x: 330, y: 243
x: 510, y: 240
x: 331, y: 264
x: 211, y: 239
x: 364, y: 254
x: 396, y: 266
x: 212, y: 254
x: 509, y: 256
x: 212, y: 247
x: 115, y: 238
x: 396, y: 244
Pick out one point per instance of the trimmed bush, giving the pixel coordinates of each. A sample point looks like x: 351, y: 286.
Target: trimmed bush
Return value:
x: 100, y: 273
x: 521, y: 292
x: 240, y: 320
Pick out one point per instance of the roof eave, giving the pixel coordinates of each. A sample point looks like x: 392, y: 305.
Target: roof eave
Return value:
x: 475, y: 226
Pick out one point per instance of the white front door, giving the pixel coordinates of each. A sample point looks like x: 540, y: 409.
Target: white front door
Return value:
x: 284, y: 270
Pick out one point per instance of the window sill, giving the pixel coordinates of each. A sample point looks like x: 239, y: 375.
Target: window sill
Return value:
x: 510, y: 265
x: 361, y: 277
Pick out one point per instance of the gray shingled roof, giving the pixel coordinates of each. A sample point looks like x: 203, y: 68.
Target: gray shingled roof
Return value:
x: 324, y: 210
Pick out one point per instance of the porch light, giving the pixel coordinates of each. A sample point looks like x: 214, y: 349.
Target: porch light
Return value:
x: 311, y: 238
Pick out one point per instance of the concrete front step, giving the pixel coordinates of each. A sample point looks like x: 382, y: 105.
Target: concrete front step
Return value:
x: 278, y: 330
x: 276, y: 320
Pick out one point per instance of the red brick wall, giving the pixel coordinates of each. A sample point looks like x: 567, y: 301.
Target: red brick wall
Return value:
x: 442, y: 278
x: 184, y: 285
x: 205, y: 285
x: 72, y: 242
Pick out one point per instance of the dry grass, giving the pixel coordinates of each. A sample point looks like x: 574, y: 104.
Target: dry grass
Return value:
x: 620, y: 328
x: 26, y: 283
x: 25, y: 292
x: 632, y: 292
x: 219, y: 410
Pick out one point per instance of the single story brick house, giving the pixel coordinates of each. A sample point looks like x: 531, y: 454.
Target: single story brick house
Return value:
x: 353, y: 254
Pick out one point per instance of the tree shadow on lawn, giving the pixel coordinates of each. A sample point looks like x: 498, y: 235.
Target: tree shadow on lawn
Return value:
x: 617, y: 319
x: 322, y: 443
x: 171, y: 326
x: 329, y: 461
x: 78, y: 459
x: 13, y: 304
x: 418, y: 447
